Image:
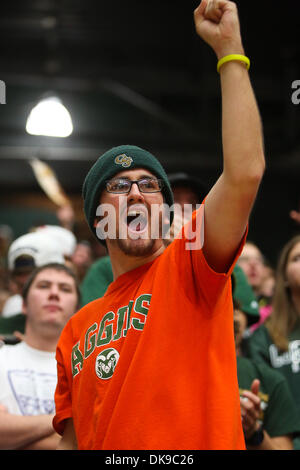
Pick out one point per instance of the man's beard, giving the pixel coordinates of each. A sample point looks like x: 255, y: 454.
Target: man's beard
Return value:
x: 139, y: 247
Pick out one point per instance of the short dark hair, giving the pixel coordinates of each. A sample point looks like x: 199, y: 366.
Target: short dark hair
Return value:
x: 56, y: 267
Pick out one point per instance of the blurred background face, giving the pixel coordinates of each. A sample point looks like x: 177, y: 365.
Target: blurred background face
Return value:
x: 268, y: 284
x: 251, y: 261
x: 183, y: 195
x: 82, y: 259
x: 293, y: 268
x: 82, y: 255
x: 51, y: 300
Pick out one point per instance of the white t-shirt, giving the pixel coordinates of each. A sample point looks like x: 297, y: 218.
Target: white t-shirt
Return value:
x: 28, y: 379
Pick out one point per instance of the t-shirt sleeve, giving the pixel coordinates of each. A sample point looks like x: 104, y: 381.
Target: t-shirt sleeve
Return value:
x: 199, y: 278
x: 63, y: 402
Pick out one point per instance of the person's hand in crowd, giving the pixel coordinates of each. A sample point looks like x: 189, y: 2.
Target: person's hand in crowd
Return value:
x: 250, y: 409
x: 19, y: 335
x: 66, y: 216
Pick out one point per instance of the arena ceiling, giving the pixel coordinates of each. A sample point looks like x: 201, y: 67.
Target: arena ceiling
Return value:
x: 136, y: 72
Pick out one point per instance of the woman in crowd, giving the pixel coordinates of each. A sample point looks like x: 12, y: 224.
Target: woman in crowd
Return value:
x: 277, y: 341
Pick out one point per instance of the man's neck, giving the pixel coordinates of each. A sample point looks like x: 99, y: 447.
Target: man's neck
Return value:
x: 40, y: 342
x: 122, y: 263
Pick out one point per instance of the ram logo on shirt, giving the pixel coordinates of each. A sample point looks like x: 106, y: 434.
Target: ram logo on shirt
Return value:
x: 106, y: 363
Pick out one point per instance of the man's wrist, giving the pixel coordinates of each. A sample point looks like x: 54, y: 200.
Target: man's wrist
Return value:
x: 257, y: 437
x: 230, y: 48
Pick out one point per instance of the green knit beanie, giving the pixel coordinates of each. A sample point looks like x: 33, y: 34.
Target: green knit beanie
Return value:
x: 121, y: 158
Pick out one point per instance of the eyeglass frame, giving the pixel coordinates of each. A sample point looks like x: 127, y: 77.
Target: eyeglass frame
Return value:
x: 160, y: 183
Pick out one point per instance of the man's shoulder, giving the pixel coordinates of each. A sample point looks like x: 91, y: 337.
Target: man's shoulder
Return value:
x: 83, y: 314
x: 260, y: 334
x: 9, y: 351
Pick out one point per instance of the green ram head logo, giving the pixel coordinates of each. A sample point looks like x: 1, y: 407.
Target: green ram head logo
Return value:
x: 106, y: 363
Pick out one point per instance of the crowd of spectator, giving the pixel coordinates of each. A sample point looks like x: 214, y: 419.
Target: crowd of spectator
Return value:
x: 47, y: 274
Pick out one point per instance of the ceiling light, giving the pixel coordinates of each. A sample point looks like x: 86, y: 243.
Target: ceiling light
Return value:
x: 49, y: 117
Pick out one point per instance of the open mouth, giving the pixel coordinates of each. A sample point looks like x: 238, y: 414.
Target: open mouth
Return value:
x: 137, y: 220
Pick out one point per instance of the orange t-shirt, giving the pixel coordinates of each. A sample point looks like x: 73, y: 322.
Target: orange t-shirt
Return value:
x: 152, y: 364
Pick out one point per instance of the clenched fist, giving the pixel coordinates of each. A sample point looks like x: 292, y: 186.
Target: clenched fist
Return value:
x: 217, y: 23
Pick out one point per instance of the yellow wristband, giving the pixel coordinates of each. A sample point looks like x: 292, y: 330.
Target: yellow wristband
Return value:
x: 228, y: 58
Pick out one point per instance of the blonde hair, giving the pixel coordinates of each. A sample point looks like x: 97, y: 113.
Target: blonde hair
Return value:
x: 284, y: 314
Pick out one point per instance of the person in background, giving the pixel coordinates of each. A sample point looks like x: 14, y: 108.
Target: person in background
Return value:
x: 269, y: 414
x: 244, y: 295
x: 277, y: 341
x: 82, y: 259
x: 28, y: 372
x: 77, y: 254
x: 187, y: 189
x: 267, y: 287
x: 253, y: 264
x: 64, y: 238
x: 260, y: 277
x: 266, y: 290
x: 27, y: 252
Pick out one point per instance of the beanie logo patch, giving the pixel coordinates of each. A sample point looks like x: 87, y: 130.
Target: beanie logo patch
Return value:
x: 123, y: 160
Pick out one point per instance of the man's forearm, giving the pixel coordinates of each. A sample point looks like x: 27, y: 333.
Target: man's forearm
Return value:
x: 19, y: 431
x: 46, y: 443
x: 243, y: 150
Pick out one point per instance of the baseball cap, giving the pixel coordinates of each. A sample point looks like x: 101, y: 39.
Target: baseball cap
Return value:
x: 244, y: 295
x: 63, y: 237
x: 32, y: 250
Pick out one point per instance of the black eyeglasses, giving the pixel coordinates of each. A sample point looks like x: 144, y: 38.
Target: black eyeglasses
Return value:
x: 123, y: 186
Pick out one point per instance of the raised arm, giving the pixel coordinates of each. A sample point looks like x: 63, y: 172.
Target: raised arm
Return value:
x: 229, y: 203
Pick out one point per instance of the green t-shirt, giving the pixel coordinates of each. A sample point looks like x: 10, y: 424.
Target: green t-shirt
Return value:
x: 96, y: 281
x: 10, y: 324
x: 279, y: 414
x: 262, y: 349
